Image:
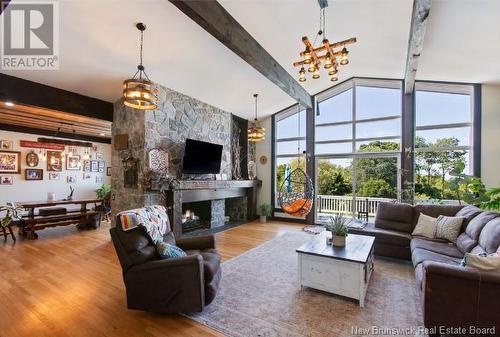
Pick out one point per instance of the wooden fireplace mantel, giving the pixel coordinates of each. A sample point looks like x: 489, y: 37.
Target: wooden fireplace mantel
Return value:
x: 184, y: 191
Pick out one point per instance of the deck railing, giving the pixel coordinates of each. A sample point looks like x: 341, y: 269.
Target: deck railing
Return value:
x: 332, y: 204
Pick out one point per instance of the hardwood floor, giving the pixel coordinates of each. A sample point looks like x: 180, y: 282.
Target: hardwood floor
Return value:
x: 69, y: 283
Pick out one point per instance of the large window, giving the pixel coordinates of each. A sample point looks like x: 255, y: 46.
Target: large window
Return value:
x: 443, y: 137
x: 358, y: 143
x: 357, y: 146
x: 290, y: 143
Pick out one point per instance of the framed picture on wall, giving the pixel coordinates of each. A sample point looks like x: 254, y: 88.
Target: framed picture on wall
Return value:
x: 108, y: 171
x: 54, y: 161
x: 6, y: 145
x: 54, y: 176
x: 99, y: 156
x: 99, y: 180
x: 32, y: 159
x: 73, y: 162
x: 87, y: 176
x: 94, y: 166
x: 10, y: 162
x: 71, y: 179
x: 33, y: 174
x: 102, y: 163
x: 6, y: 180
x: 86, y: 166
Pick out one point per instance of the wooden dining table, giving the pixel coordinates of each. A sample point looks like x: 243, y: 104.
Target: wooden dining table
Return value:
x: 33, y: 221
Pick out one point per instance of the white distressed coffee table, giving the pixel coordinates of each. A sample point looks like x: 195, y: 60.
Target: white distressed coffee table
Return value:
x: 343, y: 271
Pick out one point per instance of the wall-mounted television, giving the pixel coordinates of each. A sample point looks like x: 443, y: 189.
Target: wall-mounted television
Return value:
x: 201, y: 157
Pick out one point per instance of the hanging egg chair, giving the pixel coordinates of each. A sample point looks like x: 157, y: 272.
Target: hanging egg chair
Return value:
x: 296, y: 194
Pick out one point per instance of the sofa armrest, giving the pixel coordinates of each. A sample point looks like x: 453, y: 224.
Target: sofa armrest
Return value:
x: 197, y: 242
x: 455, y: 296
x: 176, y: 283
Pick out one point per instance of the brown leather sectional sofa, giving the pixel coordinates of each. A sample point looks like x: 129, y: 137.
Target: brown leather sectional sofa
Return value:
x: 452, y: 295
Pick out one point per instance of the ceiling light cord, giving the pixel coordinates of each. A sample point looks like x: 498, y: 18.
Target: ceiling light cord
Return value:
x: 255, y: 95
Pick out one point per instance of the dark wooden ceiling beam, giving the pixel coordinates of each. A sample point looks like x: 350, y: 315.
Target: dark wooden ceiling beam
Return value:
x: 419, y: 19
x: 212, y: 17
x: 21, y: 91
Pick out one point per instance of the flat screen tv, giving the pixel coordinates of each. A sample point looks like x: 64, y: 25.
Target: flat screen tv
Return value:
x: 201, y: 157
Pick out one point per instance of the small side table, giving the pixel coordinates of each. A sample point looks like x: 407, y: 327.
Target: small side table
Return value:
x: 11, y: 232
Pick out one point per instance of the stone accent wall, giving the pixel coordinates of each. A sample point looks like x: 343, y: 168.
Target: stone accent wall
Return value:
x: 123, y: 118
x: 218, y: 213
x: 236, y: 209
x: 177, y: 118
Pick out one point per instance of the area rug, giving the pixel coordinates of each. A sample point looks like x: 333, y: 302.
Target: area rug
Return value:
x: 260, y: 295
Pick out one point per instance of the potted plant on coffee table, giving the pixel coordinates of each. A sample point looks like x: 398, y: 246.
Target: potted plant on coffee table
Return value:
x: 265, y: 211
x: 337, y: 224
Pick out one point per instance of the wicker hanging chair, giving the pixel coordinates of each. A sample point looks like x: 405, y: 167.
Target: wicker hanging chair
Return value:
x: 296, y: 194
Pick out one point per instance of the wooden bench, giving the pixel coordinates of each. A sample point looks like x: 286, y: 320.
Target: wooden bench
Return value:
x: 33, y: 222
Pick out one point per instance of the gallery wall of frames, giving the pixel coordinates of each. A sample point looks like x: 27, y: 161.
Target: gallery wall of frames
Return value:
x: 29, y: 169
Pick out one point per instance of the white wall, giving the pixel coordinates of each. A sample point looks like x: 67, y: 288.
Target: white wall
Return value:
x: 264, y: 171
x: 23, y: 190
x: 490, y: 135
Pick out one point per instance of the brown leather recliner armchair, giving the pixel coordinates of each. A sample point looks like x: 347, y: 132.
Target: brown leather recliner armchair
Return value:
x: 184, y: 284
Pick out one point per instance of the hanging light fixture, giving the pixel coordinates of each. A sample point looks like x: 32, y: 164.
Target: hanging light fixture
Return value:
x: 256, y: 133
x: 139, y: 92
x: 314, y: 57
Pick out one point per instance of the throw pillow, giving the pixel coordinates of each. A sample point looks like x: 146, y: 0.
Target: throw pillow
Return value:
x: 167, y: 251
x: 482, y: 261
x: 426, y: 226
x: 448, y: 227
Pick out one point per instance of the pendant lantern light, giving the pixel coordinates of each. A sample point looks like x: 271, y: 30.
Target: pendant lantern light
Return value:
x: 139, y: 92
x: 256, y: 133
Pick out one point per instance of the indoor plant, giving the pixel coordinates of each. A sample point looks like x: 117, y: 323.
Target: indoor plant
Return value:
x: 338, y: 226
x: 102, y: 191
x: 265, y: 211
x: 13, y: 213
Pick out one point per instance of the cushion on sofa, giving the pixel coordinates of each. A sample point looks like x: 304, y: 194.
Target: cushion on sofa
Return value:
x: 385, y: 236
x: 448, y: 227
x: 489, y: 238
x: 469, y: 212
x: 395, y: 216
x: 426, y: 226
x: 435, y: 210
x: 436, y: 246
x: 468, y: 239
x: 420, y: 255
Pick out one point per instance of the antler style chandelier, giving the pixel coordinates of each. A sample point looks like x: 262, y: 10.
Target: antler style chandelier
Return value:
x: 256, y: 133
x: 139, y: 92
x: 324, y: 55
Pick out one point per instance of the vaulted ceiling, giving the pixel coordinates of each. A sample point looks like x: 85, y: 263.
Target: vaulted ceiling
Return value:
x: 99, y: 46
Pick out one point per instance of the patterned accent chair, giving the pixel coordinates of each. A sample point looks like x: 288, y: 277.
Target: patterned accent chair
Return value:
x: 184, y: 284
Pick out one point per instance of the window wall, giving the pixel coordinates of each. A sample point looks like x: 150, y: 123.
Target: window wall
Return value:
x: 443, y: 137
x: 358, y: 151
x: 357, y: 146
